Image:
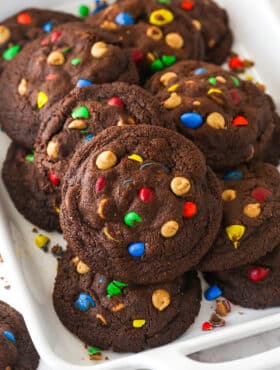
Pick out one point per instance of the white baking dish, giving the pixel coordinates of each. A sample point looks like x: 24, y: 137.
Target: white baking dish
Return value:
x: 257, y: 29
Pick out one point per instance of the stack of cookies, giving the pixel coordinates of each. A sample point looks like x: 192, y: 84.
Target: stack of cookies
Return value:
x: 148, y: 158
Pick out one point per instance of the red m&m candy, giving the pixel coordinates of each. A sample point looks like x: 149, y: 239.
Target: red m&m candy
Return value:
x: 55, y: 36
x: 240, y: 121
x: 187, y: 5
x: 190, y: 209
x: 54, y: 179
x: 51, y: 77
x: 235, y: 63
x: 137, y: 56
x: 24, y: 18
x: 261, y: 194
x: 146, y: 195
x: 257, y: 273
x: 100, y: 183
x: 206, y: 326
x: 116, y: 102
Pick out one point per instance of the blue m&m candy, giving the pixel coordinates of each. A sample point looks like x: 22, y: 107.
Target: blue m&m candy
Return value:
x: 233, y: 175
x: 124, y: 19
x: 136, y: 249
x: 84, y: 302
x: 88, y: 138
x: 99, y: 5
x: 47, y: 27
x: 191, y: 119
x: 199, y: 71
x: 84, y: 83
x: 10, y: 336
x: 212, y: 293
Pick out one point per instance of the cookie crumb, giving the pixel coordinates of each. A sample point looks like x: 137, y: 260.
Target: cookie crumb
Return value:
x: 57, y: 251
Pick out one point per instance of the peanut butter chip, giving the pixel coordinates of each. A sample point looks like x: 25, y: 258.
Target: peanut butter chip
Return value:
x: 5, y: 34
x: 78, y: 124
x: 150, y: 57
x: 167, y: 77
x: 174, y: 40
x: 173, y: 101
x: 56, y: 58
x: 22, y: 87
x: 228, y: 195
x: 129, y: 121
x: 169, y: 229
x: 211, y: 43
x: 101, y: 318
x: 106, y: 160
x: 161, y: 299
x: 154, y: 33
x: 52, y: 150
x: 196, y: 103
x: 99, y: 49
x: 216, y: 121
x: 107, y: 25
x: 118, y: 307
x: 252, y: 210
x: 196, y: 24
x: 82, y: 268
x: 221, y: 79
x: 101, y: 207
x: 75, y: 260
x: 180, y: 186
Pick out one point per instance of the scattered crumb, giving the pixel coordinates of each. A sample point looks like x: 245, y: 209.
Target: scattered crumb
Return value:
x: 57, y: 250
x: 35, y: 230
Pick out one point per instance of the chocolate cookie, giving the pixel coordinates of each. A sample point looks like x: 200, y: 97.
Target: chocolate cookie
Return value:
x: 21, y: 179
x: 106, y: 313
x: 139, y: 203
x: 229, y: 119
x: 251, y: 220
x: 253, y: 286
x: 24, y: 27
x: 48, y: 68
x: 79, y: 117
x: 158, y: 33
x: 17, y: 350
x: 214, y: 24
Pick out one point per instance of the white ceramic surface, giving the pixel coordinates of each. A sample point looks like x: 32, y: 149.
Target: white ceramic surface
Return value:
x: 32, y: 272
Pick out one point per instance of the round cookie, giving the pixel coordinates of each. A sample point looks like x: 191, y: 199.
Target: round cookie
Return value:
x: 254, y: 286
x: 105, y: 313
x: 229, y: 119
x: 214, y: 24
x: 139, y: 203
x: 48, y: 68
x: 21, y: 180
x: 251, y: 217
x: 25, y: 26
x: 158, y: 33
x: 17, y: 350
x: 82, y: 115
